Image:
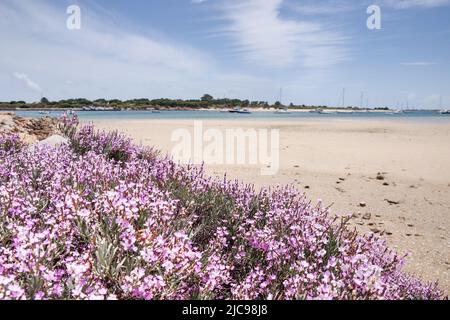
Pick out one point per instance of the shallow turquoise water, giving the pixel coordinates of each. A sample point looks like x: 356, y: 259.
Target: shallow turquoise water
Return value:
x: 428, y: 116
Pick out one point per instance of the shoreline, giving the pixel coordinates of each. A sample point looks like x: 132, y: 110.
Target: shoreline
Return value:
x: 330, y: 109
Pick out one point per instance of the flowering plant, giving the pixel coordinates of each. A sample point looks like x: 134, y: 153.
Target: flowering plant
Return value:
x: 101, y: 218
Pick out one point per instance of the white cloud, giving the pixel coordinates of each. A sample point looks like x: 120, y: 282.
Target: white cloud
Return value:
x: 198, y: 1
x: 100, y: 59
x: 28, y: 82
x: 406, y: 4
x: 263, y: 37
x: 312, y: 7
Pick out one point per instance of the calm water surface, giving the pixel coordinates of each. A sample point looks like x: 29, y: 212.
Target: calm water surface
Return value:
x: 427, y: 116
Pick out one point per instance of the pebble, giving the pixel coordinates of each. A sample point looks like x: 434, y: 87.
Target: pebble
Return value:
x: 362, y: 204
x: 391, y: 202
x: 367, y: 216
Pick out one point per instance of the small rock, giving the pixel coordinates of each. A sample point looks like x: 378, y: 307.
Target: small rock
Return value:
x: 385, y: 184
x: 296, y: 166
x: 362, y: 204
x: 375, y: 230
x: 389, y: 233
x: 410, y: 225
x: 53, y: 141
x: 380, y: 176
x: 391, y: 202
x: 307, y: 187
x: 367, y: 216
x: 342, y: 179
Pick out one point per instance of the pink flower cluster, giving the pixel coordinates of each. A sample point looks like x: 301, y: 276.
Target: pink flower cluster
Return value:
x: 101, y: 218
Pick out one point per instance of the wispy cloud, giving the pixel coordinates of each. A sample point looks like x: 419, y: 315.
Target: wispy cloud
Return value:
x: 312, y: 7
x: 96, y: 60
x: 264, y: 37
x: 406, y: 4
x: 418, y: 64
x: 27, y: 81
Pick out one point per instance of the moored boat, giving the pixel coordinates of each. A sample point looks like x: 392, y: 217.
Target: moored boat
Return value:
x: 240, y: 111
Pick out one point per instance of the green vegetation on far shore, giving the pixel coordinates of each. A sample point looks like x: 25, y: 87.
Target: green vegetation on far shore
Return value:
x: 206, y: 102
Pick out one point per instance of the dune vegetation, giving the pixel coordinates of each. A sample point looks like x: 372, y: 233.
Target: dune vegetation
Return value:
x: 99, y: 217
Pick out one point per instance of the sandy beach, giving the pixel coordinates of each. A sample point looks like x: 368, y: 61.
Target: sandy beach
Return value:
x: 393, y: 176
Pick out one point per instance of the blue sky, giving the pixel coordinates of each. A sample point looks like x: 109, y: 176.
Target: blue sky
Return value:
x: 246, y: 49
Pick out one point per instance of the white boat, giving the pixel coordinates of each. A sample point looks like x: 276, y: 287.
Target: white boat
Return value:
x: 445, y: 111
x: 282, y: 111
x: 244, y: 111
x: 239, y: 110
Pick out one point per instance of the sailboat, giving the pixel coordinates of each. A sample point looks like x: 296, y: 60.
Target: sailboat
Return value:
x: 285, y: 109
x: 443, y: 111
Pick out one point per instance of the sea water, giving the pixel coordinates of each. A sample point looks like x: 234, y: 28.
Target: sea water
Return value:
x: 428, y: 116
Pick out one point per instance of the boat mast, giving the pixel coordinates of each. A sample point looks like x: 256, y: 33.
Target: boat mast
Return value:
x: 343, y: 98
x: 362, y: 100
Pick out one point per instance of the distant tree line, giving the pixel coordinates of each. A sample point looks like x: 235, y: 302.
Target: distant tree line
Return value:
x: 206, y: 101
